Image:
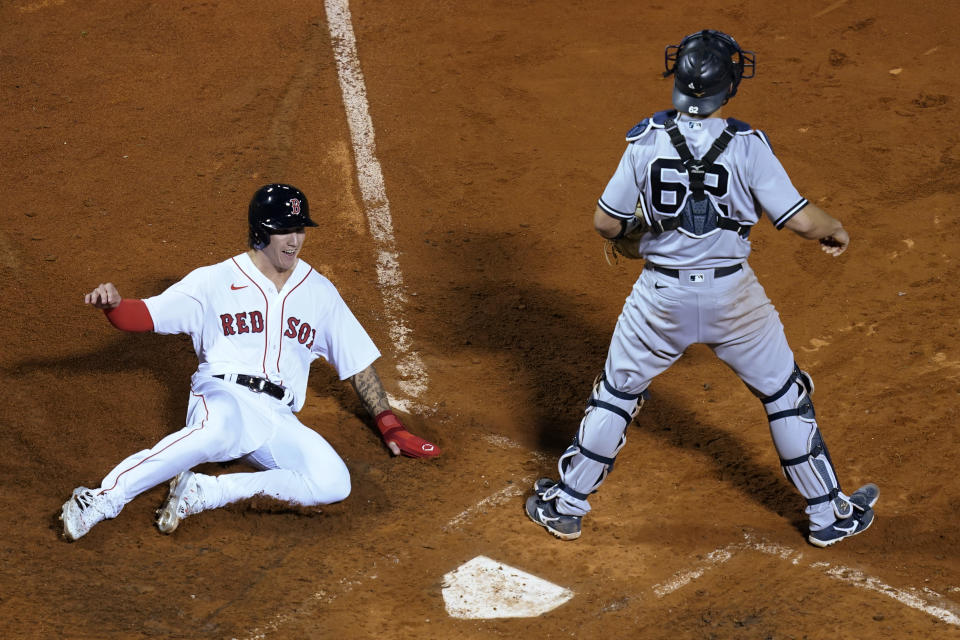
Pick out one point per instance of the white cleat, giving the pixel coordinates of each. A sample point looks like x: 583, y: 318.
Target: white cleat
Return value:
x: 184, y: 500
x: 81, y: 512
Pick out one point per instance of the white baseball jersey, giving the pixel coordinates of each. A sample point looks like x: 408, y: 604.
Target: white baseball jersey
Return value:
x: 240, y: 323
x: 746, y: 180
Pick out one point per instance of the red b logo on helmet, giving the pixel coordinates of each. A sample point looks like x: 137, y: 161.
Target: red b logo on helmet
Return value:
x: 295, y: 206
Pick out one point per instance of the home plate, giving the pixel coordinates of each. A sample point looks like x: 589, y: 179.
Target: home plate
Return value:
x: 483, y: 588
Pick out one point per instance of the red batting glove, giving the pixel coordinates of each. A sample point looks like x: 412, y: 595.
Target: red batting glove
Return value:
x: 393, y: 430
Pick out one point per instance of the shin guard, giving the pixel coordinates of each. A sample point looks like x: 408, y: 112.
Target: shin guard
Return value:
x: 803, y: 454
x: 586, y: 463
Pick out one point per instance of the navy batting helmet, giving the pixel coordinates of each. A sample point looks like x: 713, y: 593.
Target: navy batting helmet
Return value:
x: 707, y: 67
x: 277, y: 208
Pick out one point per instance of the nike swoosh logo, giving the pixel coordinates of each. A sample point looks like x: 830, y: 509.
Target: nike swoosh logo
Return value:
x: 234, y: 287
x: 544, y: 518
x: 659, y: 286
x: 849, y: 529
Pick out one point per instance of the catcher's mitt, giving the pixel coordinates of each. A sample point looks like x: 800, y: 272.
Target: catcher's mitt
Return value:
x: 626, y: 245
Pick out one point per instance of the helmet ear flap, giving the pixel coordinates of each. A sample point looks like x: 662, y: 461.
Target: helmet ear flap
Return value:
x: 259, y: 238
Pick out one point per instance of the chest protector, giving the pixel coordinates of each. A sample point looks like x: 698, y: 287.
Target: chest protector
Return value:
x: 699, y: 216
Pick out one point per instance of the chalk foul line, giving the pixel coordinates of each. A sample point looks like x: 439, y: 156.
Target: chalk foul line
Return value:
x: 512, y: 490
x: 413, y: 374
x: 927, y: 600
x: 489, y: 502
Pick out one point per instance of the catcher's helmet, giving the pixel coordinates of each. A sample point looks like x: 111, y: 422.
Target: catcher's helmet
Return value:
x: 276, y: 208
x: 707, y: 67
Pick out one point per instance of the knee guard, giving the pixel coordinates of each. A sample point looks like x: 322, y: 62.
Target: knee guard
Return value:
x: 589, y: 459
x: 803, y: 454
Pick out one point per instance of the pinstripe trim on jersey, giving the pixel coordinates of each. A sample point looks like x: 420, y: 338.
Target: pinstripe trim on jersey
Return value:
x: 283, y: 306
x: 610, y: 211
x: 266, y: 318
x: 792, y: 211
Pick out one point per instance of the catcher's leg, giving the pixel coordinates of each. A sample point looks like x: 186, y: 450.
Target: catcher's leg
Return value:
x: 650, y: 335
x: 587, y: 462
x: 804, y: 457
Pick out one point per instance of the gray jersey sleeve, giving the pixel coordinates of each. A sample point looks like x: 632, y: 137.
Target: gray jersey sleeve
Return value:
x: 623, y: 191
x: 769, y: 183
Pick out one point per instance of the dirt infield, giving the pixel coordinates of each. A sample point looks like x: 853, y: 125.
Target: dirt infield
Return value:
x: 134, y: 134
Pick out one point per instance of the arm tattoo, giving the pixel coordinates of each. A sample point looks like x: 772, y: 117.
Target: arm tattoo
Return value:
x: 370, y: 391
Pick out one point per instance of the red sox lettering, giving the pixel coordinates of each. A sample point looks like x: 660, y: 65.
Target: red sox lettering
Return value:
x: 302, y: 334
x: 252, y: 322
x: 246, y: 322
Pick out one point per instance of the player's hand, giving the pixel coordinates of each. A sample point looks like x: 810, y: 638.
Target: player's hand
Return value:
x: 105, y: 296
x: 399, y: 440
x: 836, y: 243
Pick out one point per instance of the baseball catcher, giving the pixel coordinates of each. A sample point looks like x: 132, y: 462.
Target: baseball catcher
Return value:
x: 689, y: 188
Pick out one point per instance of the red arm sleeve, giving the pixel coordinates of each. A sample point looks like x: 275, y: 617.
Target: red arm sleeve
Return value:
x: 130, y: 315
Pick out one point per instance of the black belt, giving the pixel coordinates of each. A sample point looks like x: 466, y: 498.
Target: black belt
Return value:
x: 260, y: 385
x: 719, y: 272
